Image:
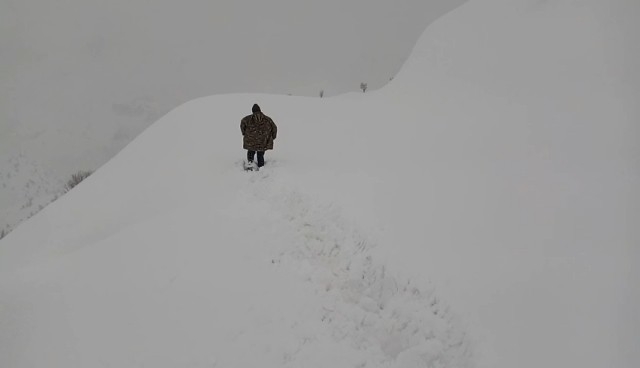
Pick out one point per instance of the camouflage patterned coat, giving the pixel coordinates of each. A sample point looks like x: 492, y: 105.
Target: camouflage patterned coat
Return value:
x: 258, y: 131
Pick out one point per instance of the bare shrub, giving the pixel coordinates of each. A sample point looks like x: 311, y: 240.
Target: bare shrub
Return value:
x: 76, y: 179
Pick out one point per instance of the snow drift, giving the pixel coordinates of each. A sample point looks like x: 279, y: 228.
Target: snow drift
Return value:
x: 479, y: 210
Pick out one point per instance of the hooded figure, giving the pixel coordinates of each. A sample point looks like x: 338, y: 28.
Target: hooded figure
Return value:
x: 259, y: 132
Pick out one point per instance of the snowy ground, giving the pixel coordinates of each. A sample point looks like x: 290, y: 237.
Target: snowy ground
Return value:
x: 263, y: 275
x: 480, y: 210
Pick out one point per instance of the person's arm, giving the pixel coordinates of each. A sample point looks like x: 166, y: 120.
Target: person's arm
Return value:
x: 243, y: 126
x: 274, y: 130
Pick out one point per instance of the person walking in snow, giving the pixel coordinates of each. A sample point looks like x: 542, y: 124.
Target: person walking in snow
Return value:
x: 259, y: 132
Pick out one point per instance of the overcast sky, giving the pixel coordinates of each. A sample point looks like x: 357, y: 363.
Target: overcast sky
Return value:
x: 242, y: 45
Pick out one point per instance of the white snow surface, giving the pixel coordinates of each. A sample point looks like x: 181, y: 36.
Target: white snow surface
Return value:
x: 480, y: 210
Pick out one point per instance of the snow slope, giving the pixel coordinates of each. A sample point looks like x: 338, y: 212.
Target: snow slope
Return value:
x: 80, y: 79
x: 481, y: 210
x: 531, y: 176
x: 191, y: 261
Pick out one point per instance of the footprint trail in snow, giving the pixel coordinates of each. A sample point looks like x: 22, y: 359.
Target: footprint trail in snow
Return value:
x: 384, y: 321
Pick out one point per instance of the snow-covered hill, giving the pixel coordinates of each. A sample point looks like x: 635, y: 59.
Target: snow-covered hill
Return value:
x: 80, y: 79
x: 480, y: 210
x: 25, y: 189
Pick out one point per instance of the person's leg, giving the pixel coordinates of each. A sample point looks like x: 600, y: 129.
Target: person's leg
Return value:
x: 260, y: 158
x: 250, y: 155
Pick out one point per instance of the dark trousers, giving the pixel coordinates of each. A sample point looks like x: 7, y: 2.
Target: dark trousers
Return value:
x: 251, y: 154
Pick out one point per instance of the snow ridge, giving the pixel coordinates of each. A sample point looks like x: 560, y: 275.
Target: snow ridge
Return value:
x: 388, y: 321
